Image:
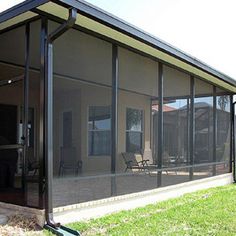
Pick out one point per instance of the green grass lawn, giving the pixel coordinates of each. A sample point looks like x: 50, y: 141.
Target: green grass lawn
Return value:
x: 209, y: 212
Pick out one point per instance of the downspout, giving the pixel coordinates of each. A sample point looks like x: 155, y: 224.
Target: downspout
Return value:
x: 49, y: 113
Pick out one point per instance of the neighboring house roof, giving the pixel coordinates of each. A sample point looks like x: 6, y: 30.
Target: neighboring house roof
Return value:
x: 165, y: 108
x: 101, y: 22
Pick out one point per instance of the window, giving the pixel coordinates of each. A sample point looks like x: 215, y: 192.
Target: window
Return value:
x: 175, y: 131
x: 134, y: 130
x: 99, y: 130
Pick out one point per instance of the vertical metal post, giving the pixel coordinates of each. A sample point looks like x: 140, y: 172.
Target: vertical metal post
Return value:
x: 231, y: 131
x: 43, y: 53
x: 49, y: 130
x: 25, y: 137
x: 114, y: 117
x: 151, y: 127
x: 160, y: 123
x: 233, y: 140
x: 192, y: 126
x: 188, y: 129
x: 209, y: 133
x: 214, y: 129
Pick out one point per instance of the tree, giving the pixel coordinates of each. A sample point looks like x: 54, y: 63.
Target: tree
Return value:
x: 223, y: 101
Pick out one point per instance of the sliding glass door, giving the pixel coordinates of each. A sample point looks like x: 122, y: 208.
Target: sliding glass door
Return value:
x: 12, y: 159
x: 19, y: 165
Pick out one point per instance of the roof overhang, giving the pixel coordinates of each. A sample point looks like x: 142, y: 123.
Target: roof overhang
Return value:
x: 103, y: 23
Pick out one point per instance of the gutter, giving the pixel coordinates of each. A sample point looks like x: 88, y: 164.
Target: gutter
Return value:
x: 50, y: 225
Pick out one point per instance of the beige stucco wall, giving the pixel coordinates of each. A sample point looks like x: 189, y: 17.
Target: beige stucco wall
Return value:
x: 12, y: 46
x: 80, y: 55
x: 203, y: 88
x: 176, y: 83
x: 78, y: 99
x: 137, y: 73
x: 132, y: 100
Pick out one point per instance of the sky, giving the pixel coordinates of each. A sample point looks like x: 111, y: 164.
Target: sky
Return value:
x: 204, y: 29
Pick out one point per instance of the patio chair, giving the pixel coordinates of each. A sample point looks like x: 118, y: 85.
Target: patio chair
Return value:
x: 69, y: 161
x: 147, y: 156
x: 134, y: 161
x: 150, y: 163
x: 167, y: 162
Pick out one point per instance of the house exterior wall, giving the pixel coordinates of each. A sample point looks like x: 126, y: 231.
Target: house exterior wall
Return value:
x: 14, y: 39
x: 78, y: 101
x: 137, y: 73
x: 87, y: 57
x: 12, y: 45
x: 179, y: 79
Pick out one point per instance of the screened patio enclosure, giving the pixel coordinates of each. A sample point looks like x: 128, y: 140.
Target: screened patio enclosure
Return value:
x: 116, y: 115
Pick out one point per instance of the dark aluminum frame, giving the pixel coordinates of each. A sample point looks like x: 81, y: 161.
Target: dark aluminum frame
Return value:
x: 233, y: 160
x: 192, y: 126
x: 43, y: 98
x: 25, y: 136
x: 231, y: 131
x: 160, y: 123
x: 114, y: 116
x: 214, y: 129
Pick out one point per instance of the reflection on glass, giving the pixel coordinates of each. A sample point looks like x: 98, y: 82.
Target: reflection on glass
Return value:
x: 99, y: 130
x: 134, y: 119
x: 99, y: 118
x: 134, y: 130
x: 154, y: 128
x: 176, y: 122
x: 203, y: 129
x: 223, y: 128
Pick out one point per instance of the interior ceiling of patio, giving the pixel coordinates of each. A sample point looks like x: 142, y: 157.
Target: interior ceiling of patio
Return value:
x: 102, y: 29
x: 14, y: 73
